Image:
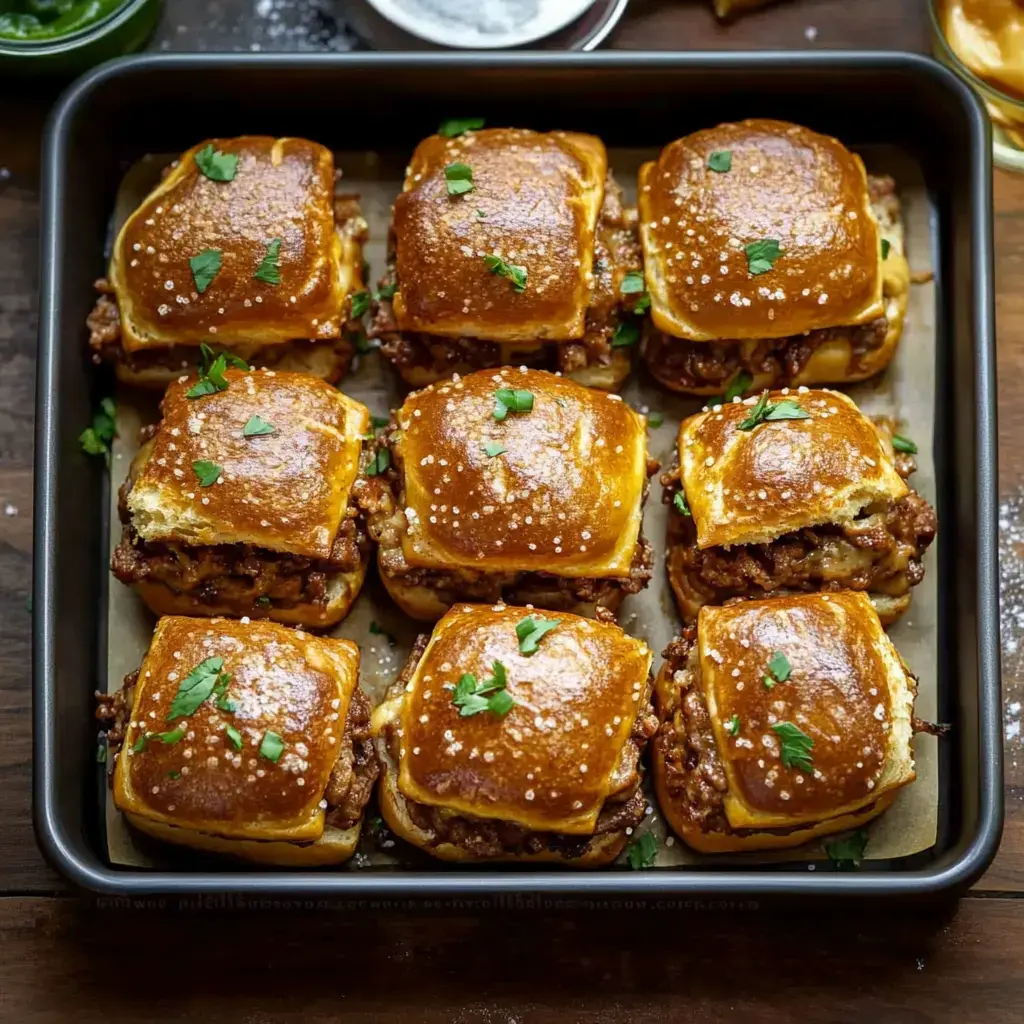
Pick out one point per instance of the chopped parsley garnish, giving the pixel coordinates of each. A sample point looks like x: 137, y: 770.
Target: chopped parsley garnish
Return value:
x: 386, y: 291
x: 222, y: 703
x: 96, y: 439
x: 508, y: 400
x: 271, y: 746
x: 174, y: 774
x: 361, y: 342
x: 472, y: 697
x: 455, y: 126
x: 211, y: 371
x: 516, y: 274
x: 263, y: 601
x: 269, y: 269
x: 778, y: 670
x: 642, y: 851
x: 380, y: 462
x: 787, y: 409
x: 531, y: 631
x: 796, y: 746
x: 886, y: 246
x: 379, y: 421
x: 904, y: 444
x: 737, y: 388
x: 720, y: 161
x: 732, y: 727
x: 627, y: 333
x: 235, y: 736
x: 481, y: 214
x: 848, y: 851
x: 655, y: 419
x: 632, y: 282
x: 459, y: 178
x: 204, y: 268
x: 196, y: 687
x: 642, y: 304
x: 215, y: 165
x: 256, y: 426
x: 207, y: 472
x: 101, y: 751
x: 761, y: 256
x: 679, y: 503
x: 360, y: 303
x: 494, y: 448
x: 172, y: 736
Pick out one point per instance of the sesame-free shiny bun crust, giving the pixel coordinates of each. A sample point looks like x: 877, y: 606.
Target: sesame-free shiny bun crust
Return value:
x: 786, y: 183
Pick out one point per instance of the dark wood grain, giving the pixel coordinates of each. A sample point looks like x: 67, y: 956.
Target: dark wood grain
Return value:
x: 61, y: 958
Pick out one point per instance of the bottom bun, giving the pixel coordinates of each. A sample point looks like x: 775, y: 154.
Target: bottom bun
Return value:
x: 335, y: 846
x: 690, y: 599
x: 600, y: 851
x: 426, y: 604
x: 342, y: 590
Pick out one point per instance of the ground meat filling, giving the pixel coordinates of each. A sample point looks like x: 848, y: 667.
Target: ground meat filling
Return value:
x: 880, y: 551
x: 247, y: 579
x: 616, y: 251
x: 384, y: 499
x: 685, y: 364
x: 488, y: 838
x: 352, y: 778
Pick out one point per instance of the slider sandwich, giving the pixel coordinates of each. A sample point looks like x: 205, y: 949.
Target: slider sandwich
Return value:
x: 772, y: 258
x: 244, y: 244
x: 242, y: 500
x: 244, y: 738
x: 794, y: 490
x: 515, y: 485
x: 516, y: 735
x: 510, y: 246
x: 781, y: 721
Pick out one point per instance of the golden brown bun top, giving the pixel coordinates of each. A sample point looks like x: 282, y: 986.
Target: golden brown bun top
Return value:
x: 804, y: 190
x: 283, y: 188
x: 283, y: 681
x: 566, y: 496
x: 751, y: 486
x: 549, y: 763
x: 286, y: 491
x: 847, y: 691
x: 540, y: 194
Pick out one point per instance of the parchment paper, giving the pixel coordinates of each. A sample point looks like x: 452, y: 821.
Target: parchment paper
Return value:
x: 905, y: 391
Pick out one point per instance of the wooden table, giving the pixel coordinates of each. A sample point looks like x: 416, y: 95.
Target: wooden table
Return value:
x: 63, y: 958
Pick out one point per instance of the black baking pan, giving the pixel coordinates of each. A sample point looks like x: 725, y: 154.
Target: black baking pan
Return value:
x: 161, y: 104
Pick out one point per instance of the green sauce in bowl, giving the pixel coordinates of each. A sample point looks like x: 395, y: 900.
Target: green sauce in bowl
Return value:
x: 42, y: 20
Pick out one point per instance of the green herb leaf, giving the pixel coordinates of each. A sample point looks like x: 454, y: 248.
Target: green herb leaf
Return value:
x: 732, y: 727
x: 796, y: 747
x: 380, y: 462
x: 679, y: 503
x: 904, y: 444
x: 195, y: 687
x: 379, y: 421
x: 101, y: 751
x: 174, y: 774
x: 481, y: 214
x: 140, y: 744
x: 459, y: 178
x: 516, y: 274
x: 386, y: 291
x: 848, y: 851
x: 738, y: 386
x: 215, y: 165
x: 508, y: 400
x: 779, y: 667
x: 96, y: 439
x: 208, y: 472
x: 220, y: 689
x: 263, y: 601
x: 632, y: 282
x: 642, y: 852
x: 204, y: 268
x: 765, y: 410
x: 761, y: 256
x: 886, y: 246
x: 271, y: 746
x: 642, y: 304
x: 360, y: 304
x: 455, y: 126
x: 531, y: 631
x: 211, y: 371
x: 472, y: 697
x: 720, y: 161
x: 655, y: 419
x: 494, y: 448
x: 269, y: 269
x: 256, y: 426
x: 172, y: 736
x: 235, y: 736
x: 627, y: 333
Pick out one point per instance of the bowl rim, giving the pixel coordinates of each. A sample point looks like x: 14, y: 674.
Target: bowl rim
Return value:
x: 84, y: 35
